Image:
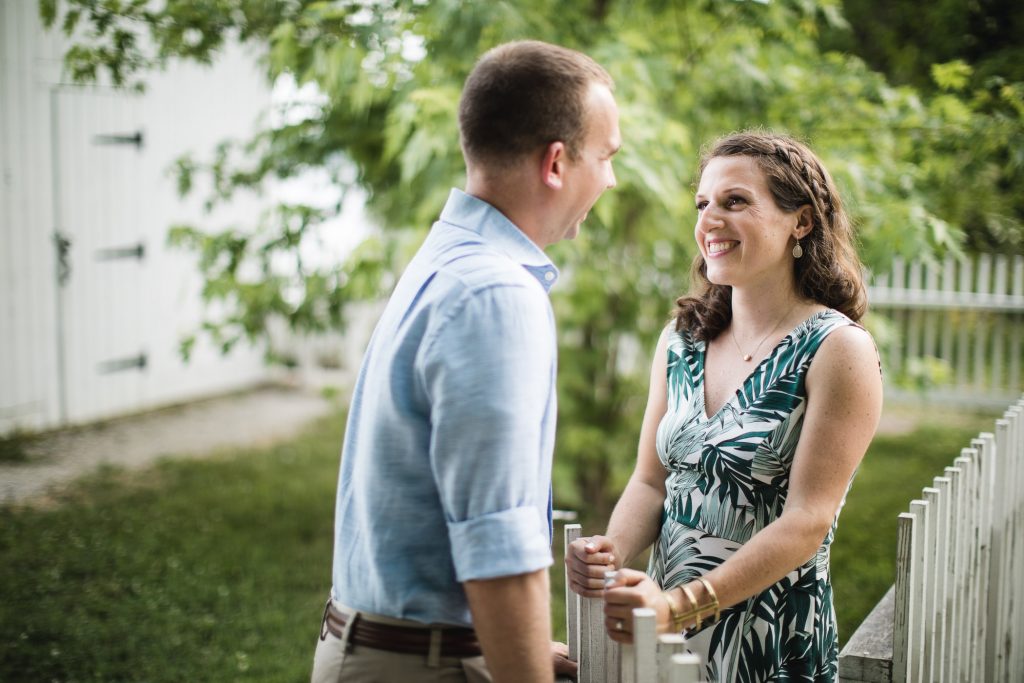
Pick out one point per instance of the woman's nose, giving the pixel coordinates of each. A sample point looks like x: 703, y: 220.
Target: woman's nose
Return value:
x: 709, y: 218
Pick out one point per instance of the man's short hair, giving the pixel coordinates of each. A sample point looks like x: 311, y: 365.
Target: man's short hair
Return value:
x: 524, y: 95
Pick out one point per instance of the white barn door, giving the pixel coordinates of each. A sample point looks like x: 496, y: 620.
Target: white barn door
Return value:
x: 99, y: 203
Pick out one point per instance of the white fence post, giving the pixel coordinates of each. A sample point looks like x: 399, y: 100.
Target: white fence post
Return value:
x: 902, y: 668
x: 1016, y: 448
x: 650, y: 659
x: 968, y: 314
x: 954, y: 619
x: 612, y: 660
x: 918, y: 588
x: 930, y: 624
x: 669, y: 644
x: 966, y: 568
x: 645, y: 639
x: 999, y: 570
x: 940, y: 669
x: 627, y: 664
x: 592, y: 637
x: 984, y: 446
x: 685, y: 668
x: 572, y: 600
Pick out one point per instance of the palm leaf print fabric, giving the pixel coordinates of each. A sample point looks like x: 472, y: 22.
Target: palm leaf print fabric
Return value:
x: 728, y: 477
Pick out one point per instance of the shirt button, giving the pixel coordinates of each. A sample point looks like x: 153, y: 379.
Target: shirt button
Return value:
x: 549, y: 276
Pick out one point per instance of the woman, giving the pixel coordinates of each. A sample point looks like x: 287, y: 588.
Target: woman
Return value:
x: 764, y: 396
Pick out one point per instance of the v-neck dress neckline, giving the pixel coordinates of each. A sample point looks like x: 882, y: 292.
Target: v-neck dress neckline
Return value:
x: 779, y: 346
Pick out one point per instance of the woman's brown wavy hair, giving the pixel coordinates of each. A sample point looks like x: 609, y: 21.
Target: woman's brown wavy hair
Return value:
x: 829, y: 271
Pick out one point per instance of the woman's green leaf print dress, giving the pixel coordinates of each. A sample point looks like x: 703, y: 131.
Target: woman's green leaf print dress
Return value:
x: 728, y: 477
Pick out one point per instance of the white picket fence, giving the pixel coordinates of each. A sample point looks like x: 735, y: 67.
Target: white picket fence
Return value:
x: 650, y: 659
x: 960, y: 318
x: 957, y: 608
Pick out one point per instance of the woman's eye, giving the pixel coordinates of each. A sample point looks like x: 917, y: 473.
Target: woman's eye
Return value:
x: 701, y: 206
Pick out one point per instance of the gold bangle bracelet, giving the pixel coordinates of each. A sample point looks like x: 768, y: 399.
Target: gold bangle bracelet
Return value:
x: 694, y: 609
x: 673, y: 612
x: 691, y: 614
x: 714, y: 598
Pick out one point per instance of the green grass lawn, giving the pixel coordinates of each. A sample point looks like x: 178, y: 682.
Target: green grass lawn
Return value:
x: 216, y: 570
x: 212, y: 570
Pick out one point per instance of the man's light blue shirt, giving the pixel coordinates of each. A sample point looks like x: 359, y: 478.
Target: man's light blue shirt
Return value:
x: 446, y: 466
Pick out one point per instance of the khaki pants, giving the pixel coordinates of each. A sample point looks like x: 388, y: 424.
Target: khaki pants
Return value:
x: 337, y: 661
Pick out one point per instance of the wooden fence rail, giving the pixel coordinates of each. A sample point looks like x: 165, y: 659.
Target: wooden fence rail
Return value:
x: 956, y: 612
x: 650, y: 659
x: 958, y: 328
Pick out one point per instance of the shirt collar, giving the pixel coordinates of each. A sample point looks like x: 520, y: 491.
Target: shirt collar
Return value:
x: 470, y: 213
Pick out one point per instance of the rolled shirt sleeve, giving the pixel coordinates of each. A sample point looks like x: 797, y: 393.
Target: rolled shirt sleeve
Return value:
x: 489, y: 372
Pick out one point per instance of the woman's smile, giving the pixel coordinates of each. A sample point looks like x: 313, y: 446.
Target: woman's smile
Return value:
x: 718, y: 247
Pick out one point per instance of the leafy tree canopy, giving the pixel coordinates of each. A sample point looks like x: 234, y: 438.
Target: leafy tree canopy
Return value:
x: 390, y: 72
x: 904, y: 38
x: 965, y: 54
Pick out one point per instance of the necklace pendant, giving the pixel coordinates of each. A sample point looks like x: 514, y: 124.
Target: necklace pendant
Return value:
x: 747, y: 357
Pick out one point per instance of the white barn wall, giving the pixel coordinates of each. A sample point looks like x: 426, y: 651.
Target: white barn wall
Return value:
x: 236, y: 95
x: 28, y: 387
x: 113, y: 309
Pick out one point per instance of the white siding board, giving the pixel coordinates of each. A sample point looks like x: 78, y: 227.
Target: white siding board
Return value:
x: 27, y: 359
x: 178, y: 308
x: 189, y: 106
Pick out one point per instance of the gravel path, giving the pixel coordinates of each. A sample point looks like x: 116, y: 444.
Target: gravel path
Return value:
x: 255, y: 418
x: 251, y: 419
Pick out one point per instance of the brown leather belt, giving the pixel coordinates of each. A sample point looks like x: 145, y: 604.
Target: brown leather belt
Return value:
x: 455, y: 641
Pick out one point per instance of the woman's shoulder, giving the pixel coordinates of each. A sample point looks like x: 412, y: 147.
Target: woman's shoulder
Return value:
x: 823, y: 323
x: 829, y: 331
x: 845, y: 346
x: 679, y: 340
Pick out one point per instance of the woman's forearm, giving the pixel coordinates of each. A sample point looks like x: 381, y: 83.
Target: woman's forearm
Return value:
x: 766, y: 558
x: 636, y: 519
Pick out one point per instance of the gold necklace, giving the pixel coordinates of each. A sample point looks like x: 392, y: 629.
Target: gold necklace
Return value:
x: 748, y: 356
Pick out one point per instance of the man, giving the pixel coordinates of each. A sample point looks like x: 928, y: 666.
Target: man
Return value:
x: 443, y: 520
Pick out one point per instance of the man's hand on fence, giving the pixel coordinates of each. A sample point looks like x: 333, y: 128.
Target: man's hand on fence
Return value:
x: 563, y: 665
x: 586, y: 561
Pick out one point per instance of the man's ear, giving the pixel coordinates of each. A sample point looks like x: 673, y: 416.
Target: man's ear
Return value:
x: 804, y: 222
x: 553, y: 165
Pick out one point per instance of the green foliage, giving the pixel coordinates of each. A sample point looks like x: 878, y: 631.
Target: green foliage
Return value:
x: 388, y: 74
x: 967, y: 58
x: 953, y: 75
x: 213, y: 570
x: 904, y: 38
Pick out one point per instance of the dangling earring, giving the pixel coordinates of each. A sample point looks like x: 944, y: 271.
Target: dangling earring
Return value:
x: 798, y: 251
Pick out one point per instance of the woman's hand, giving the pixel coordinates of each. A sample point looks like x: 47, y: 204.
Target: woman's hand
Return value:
x: 586, y: 561
x: 632, y: 589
